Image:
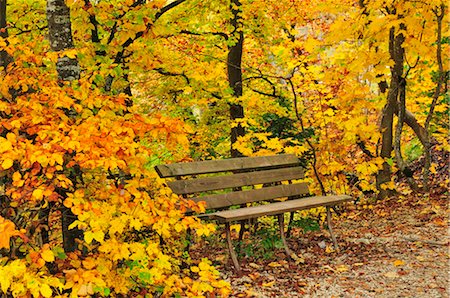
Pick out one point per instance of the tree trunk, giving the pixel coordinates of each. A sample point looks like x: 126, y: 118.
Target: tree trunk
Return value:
x: 397, y: 55
x: 439, y: 13
x: 60, y: 35
x: 5, y: 58
x: 234, y: 61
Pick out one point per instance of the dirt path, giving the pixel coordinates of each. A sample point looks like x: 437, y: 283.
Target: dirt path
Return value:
x: 399, y: 248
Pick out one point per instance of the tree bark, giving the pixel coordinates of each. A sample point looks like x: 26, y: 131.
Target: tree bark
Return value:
x: 5, y: 58
x: 439, y: 13
x: 60, y: 35
x: 396, y: 52
x: 234, y: 61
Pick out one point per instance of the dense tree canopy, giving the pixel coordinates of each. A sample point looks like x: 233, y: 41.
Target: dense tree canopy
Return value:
x: 94, y: 93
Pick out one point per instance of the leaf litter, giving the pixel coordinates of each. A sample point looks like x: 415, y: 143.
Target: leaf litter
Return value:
x: 400, y: 248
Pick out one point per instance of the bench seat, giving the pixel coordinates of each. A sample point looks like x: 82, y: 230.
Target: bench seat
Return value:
x: 277, y: 208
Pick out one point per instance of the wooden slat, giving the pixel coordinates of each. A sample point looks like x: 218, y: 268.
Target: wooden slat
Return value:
x: 255, y: 195
x: 225, y: 165
x: 278, y: 208
x: 235, y: 180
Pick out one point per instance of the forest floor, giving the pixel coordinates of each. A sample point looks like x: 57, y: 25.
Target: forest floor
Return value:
x: 398, y: 247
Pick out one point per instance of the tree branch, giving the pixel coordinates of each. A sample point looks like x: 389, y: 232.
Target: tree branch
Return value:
x: 224, y: 35
x: 120, y: 55
x: 313, y: 149
x: 172, y: 74
x: 437, y: 92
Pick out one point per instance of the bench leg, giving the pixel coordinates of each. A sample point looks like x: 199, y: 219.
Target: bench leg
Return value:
x: 237, y: 267
x: 241, y: 236
x: 330, y: 228
x: 291, y: 220
x: 283, y: 238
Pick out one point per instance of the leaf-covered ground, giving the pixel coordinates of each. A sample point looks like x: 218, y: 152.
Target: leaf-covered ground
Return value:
x: 394, y: 248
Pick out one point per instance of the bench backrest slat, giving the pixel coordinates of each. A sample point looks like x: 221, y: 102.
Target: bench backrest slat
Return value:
x: 255, y: 195
x: 235, y: 180
x: 224, y: 165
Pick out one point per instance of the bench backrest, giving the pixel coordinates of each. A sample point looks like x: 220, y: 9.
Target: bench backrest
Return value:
x: 193, y: 179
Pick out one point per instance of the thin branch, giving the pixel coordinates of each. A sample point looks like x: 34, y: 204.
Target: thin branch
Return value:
x: 297, y: 114
x: 262, y: 92
x: 172, y: 74
x: 167, y: 8
x: 120, y: 55
x: 224, y: 35
x: 437, y: 92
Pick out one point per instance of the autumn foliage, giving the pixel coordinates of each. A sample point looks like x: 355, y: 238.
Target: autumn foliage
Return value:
x: 70, y: 144
x: 319, y: 79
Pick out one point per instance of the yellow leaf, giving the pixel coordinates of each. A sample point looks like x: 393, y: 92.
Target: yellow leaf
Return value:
x: 58, y: 158
x: 37, y: 194
x: 11, y: 137
x: 45, y: 290
x: 268, y: 284
x: 16, y: 176
x: 275, y: 264
x: 7, y: 163
x: 399, y: 263
x: 433, y: 168
x: 195, y: 269
x: 6, y: 145
x: 342, y: 268
x: 71, y: 53
x: 89, y: 264
x: 88, y: 237
x: 48, y: 255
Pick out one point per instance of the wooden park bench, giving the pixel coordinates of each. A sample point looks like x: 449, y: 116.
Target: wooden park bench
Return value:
x: 242, y: 182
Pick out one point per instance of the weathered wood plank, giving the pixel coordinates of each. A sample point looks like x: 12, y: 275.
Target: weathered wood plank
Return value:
x: 235, y: 180
x: 255, y: 195
x: 278, y: 208
x: 225, y: 165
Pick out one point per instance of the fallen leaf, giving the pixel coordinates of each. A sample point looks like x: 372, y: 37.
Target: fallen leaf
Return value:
x: 268, y: 284
x: 297, y: 259
x: 420, y: 258
x: 251, y: 293
x: 439, y: 222
x: 322, y: 244
x: 391, y: 274
x: 342, y: 268
x: 302, y: 284
x: 399, y: 263
x: 254, y: 265
x: 275, y: 264
x: 328, y: 268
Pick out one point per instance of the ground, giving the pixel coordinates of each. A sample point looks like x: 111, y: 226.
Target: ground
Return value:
x: 397, y: 247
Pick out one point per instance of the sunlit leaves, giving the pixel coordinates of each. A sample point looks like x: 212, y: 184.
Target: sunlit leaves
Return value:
x: 77, y: 146
x: 7, y: 230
